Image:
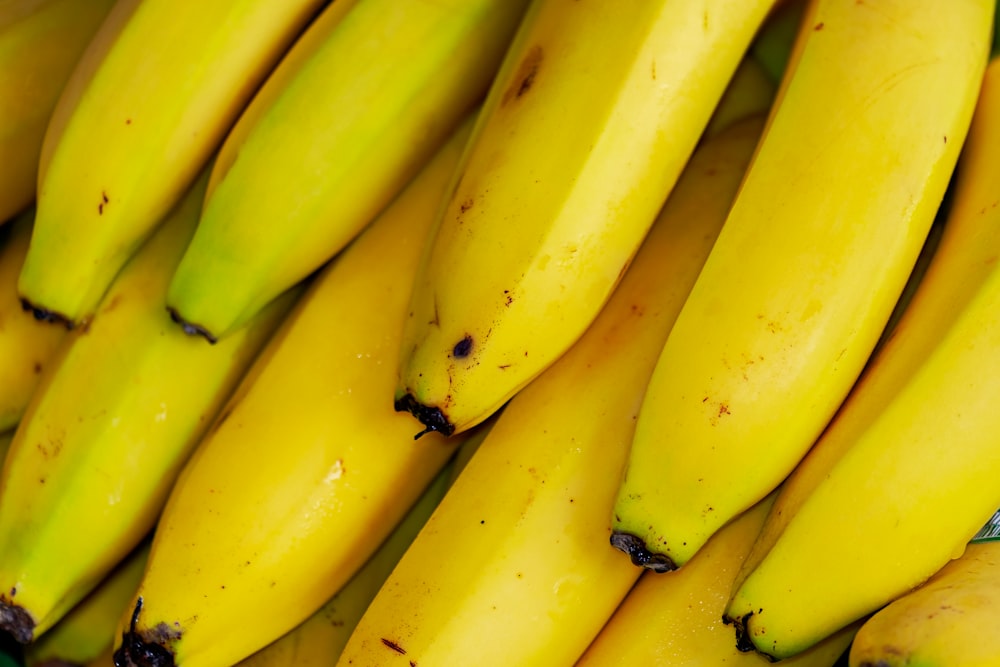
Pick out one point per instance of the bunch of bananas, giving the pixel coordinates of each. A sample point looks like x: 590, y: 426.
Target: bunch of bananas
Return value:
x: 499, y: 332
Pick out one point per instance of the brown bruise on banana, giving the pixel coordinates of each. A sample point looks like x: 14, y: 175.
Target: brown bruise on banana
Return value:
x: 147, y: 648
x: 190, y: 328
x: 527, y: 72
x: 15, y: 620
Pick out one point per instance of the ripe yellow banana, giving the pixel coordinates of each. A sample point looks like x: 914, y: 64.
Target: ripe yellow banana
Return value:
x: 949, y: 621
x: 591, y: 119
x: 147, y: 105
x: 362, y: 101
x: 40, y: 44
x: 86, y: 632
x: 114, y: 417
x: 308, y: 468
x: 26, y: 345
x: 514, y: 566
x: 905, y: 474
x: 676, y: 618
x: 321, y: 638
x: 828, y: 224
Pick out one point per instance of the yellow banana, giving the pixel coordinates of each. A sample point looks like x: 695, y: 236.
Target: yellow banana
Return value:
x: 830, y: 219
x: 366, y: 96
x: 514, y: 566
x: 951, y: 620
x: 676, y: 618
x: 321, y: 638
x: 149, y: 102
x: 914, y: 443
x: 308, y: 467
x: 86, y: 632
x: 26, y: 345
x: 577, y: 148
x: 40, y: 44
x: 114, y: 417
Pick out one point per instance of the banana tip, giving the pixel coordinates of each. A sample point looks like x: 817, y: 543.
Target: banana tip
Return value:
x: 191, y: 329
x: 433, y: 419
x: 137, y: 652
x: 744, y: 643
x: 46, y: 315
x: 635, y: 548
x: 17, y: 622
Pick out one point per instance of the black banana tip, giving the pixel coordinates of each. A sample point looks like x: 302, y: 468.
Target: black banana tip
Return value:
x: 17, y: 622
x: 136, y: 652
x: 743, y: 641
x: 46, y: 315
x: 433, y: 419
x: 635, y: 548
x: 191, y: 329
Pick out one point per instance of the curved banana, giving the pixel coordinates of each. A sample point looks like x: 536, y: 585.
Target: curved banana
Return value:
x: 578, y: 147
x: 86, y: 632
x: 321, y: 638
x: 914, y: 442
x: 364, y: 99
x: 307, y: 469
x: 26, y: 345
x: 676, y: 618
x: 514, y: 567
x: 950, y: 620
x: 115, y: 415
x: 830, y: 219
x: 149, y: 102
x: 40, y: 44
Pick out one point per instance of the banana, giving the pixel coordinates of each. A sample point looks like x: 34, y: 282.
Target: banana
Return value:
x: 40, y: 44
x: 148, y: 104
x: 321, y: 638
x: 115, y: 414
x: 576, y: 151
x: 26, y: 345
x: 834, y: 210
x: 86, y: 632
x: 676, y: 618
x: 362, y: 101
x: 950, y: 620
x: 514, y: 567
x: 307, y: 469
x: 914, y: 442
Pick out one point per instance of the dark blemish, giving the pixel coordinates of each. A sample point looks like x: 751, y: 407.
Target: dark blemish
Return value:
x: 946, y: 138
x: 482, y: 522
x: 104, y: 200
x: 704, y: 399
x: 508, y: 297
x: 818, y: 26
x: 394, y: 646
x: 652, y: 69
x: 13, y: 591
x: 16, y: 621
x: 37, y: 368
x: 437, y: 318
x: 191, y: 329
x: 413, y: 663
x: 525, y: 77
x: 724, y: 409
x: 503, y: 367
x: 636, y: 550
x: 465, y: 206
x: 46, y: 315
x: 41, y: 480
x: 136, y: 652
x: 128, y: 121
x: 462, y: 348
x: 432, y: 418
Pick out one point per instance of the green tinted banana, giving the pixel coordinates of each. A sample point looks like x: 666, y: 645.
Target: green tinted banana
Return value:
x: 361, y: 102
x: 914, y: 444
x: 40, y: 44
x: 115, y: 415
x: 582, y: 136
x: 307, y: 469
x: 514, y: 566
x: 147, y: 105
x: 830, y: 219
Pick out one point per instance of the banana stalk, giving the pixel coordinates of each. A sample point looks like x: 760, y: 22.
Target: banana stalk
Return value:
x: 915, y: 442
x: 514, y: 566
x: 307, y: 469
